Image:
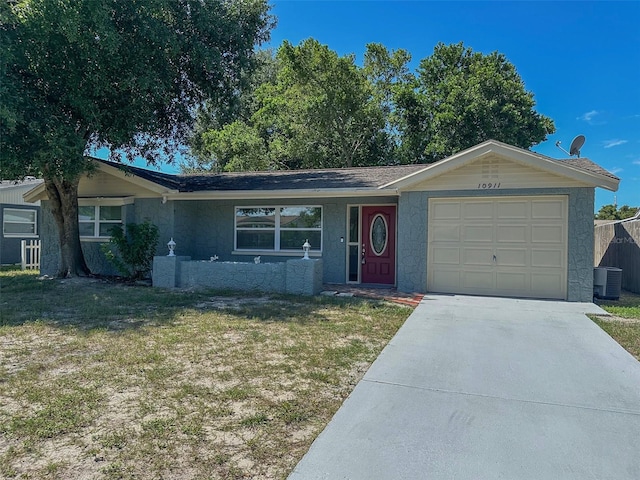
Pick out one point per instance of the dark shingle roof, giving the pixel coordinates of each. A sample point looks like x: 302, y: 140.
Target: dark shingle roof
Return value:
x: 347, y: 178
x: 315, y: 179
x: 587, y: 165
x: 341, y: 178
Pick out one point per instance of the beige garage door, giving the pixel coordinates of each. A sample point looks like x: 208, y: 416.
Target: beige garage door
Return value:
x: 504, y: 246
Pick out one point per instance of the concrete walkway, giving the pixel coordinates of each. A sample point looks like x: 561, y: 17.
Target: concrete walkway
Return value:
x: 489, y: 388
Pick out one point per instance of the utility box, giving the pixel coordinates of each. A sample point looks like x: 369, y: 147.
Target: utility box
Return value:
x: 607, y: 282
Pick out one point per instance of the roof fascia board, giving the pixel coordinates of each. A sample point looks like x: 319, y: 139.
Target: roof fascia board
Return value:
x: 133, y: 178
x: 35, y: 194
x: 39, y: 192
x: 509, y: 152
x: 273, y: 194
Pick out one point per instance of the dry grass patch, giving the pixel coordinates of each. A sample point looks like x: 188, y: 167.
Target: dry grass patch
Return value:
x: 108, y: 381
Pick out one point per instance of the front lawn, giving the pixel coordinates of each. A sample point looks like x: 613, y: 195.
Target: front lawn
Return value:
x: 109, y: 381
x: 624, y: 323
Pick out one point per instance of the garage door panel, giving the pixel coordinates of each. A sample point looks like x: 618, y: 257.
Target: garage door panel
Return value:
x: 446, y: 280
x: 478, y: 280
x: 512, y: 282
x: 513, y: 210
x: 446, y: 233
x: 547, y: 234
x: 446, y: 211
x: 511, y: 233
x: 542, y: 209
x: 477, y: 233
x: 548, y: 284
x: 527, y: 235
x: 512, y: 257
x: 446, y: 256
x: 546, y: 258
x: 478, y: 256
x: 477, y: 211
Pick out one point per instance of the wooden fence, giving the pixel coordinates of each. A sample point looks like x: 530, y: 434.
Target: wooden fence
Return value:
x: 30, y: 254
x: 618, y: 245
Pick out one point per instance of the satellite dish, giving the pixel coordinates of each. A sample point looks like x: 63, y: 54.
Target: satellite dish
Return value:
x: 576, y: 145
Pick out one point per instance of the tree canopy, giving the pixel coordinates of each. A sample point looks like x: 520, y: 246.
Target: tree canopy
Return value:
x: 611, y: 212
x: 321, y: 110
x: 312, y: 109
x: 80, y: 74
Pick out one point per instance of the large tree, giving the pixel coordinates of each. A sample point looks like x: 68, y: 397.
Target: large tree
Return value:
x: 78, y: 75
x: 462, y: 98
x: 317, y: 109
x: 310, y: 108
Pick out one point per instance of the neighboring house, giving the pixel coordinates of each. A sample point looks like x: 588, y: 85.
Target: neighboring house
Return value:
x: 20, y: 220
x: 491, y: 220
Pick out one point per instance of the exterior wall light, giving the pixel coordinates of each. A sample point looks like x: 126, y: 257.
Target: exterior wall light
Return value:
x: 172, y: 247
x: 306, y: 247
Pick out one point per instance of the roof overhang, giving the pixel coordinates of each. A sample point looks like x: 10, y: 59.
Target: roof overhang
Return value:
x: 493, y: 147
x: 277, y: 194
x: 40, y: 192
x: 35, y: 194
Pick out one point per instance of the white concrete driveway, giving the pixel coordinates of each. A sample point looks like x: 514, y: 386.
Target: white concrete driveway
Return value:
x: 489, y: 388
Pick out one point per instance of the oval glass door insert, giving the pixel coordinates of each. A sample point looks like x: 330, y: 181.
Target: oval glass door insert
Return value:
x: 378, y: 240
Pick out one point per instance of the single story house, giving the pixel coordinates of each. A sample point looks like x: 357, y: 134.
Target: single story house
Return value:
x: 491, y: 220
x: 20, y: 220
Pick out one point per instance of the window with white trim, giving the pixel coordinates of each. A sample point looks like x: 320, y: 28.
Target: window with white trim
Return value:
x: 278, y: 229
x: 96, y: 221
x: 18, y: 222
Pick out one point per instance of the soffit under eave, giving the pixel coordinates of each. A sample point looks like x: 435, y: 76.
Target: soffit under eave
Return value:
x: 149, y: 189
x: 133, y: 178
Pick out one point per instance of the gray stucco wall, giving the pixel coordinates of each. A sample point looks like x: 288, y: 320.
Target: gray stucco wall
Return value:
x: 581, y: 238
x: 412, y: 236
x: 204, y: 228
x: 143, y: 209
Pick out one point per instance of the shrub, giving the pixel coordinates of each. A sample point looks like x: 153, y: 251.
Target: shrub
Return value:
x: 132, y: 251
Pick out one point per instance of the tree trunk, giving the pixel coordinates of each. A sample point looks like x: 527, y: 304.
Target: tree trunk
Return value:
x: 63, y: 195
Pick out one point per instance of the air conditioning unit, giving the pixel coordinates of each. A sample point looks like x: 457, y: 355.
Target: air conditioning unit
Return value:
x: 607, y: 282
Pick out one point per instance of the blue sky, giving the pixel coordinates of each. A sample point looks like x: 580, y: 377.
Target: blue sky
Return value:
x: 581, y: 59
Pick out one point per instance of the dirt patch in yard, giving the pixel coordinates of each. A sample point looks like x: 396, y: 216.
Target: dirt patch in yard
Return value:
x: 122, y: 382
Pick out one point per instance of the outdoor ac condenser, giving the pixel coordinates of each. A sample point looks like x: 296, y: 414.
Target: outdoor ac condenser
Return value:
x: 607, y: 282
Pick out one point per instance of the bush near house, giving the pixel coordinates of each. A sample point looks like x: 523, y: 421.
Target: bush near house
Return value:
x: 132, y: 251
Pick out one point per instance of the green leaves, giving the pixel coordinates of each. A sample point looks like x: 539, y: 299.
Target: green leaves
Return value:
x: 611, y: 212
x: 469, y: 97
x: 317, y: 109
x: 134, y: 250
x: 86, y: 74
x: 307, y: 108
x: 78, y: 75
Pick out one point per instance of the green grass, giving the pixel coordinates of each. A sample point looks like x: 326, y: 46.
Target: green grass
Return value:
x: 624, y: 325
x: 111, y: 381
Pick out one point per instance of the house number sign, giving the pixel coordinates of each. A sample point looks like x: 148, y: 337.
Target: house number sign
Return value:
x: 488, y: 185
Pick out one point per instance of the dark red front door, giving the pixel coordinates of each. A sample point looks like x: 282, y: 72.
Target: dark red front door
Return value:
x: 379, y: 245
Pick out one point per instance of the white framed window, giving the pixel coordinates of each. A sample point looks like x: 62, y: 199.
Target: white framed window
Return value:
x: 96, y: 221
x: 278, y: 228
x: 18, y: 222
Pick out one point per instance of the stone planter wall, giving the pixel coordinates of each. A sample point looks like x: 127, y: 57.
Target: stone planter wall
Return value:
x: 301, y: 277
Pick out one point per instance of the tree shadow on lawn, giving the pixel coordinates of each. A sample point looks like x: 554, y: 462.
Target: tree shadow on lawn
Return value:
x: 99, y: 303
